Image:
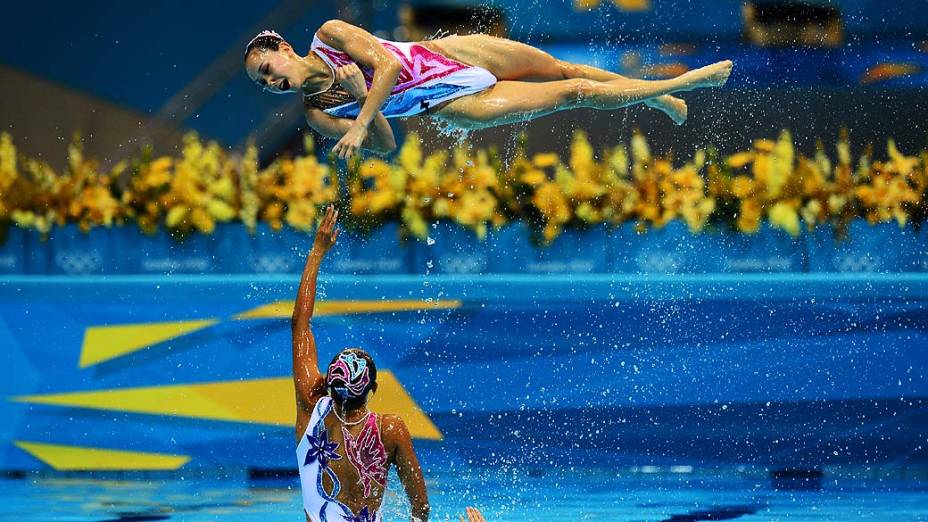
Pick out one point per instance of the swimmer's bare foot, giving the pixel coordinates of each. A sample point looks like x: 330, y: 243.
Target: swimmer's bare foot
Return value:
x: 714, y: 75
x: 672, y: 106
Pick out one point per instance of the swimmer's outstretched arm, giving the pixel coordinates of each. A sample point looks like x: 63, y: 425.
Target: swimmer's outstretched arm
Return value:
x: 307, y: 379
x: 380, y: 138
x: 366, y: 50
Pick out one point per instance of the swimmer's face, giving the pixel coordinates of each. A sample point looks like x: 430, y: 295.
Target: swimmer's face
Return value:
x: 278, y: 72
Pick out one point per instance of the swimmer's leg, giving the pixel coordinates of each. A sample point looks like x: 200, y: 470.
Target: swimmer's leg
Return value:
x: 672, y: 106
x: 509, y: 60
x: 512, y: 101
x: 516, y: 61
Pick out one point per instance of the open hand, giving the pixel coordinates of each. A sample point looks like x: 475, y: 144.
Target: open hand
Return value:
x: 351, y: 142
x: 327, y: 233
x: 473, y: 515
x: 350, y: 78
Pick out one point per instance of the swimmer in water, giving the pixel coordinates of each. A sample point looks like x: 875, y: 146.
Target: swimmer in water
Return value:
x: 351, y: 81
x: 473, y: 515
x: 344, y: 451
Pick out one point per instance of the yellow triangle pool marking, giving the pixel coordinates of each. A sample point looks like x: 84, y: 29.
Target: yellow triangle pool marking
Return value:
x: 80, y: 458
x: 284, y: 309
x: 391, y: 397
x: 259, y: 401
x: 102, y: 343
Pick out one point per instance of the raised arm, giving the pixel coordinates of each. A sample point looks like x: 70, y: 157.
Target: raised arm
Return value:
x: 407, y: 467
x: 366, y: 50
x: 380, y: 138
x: 307, y: 380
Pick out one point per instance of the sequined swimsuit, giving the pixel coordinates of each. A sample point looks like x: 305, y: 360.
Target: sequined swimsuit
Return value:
x: 426, y: 80
x: 316, y: 450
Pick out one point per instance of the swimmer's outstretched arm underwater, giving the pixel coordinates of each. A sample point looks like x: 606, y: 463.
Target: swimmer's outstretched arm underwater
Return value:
x: 474, y: 81
x: 344, y: 451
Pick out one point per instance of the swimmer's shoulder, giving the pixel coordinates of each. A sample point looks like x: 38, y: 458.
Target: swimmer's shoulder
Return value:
x: 393, y: 432
x: 333, y: 29
x: 391, y: 424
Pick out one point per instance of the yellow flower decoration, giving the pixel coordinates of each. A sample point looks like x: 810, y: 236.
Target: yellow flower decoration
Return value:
x: 783, y: 215
x: 749, y: 215
x: 204, y: 186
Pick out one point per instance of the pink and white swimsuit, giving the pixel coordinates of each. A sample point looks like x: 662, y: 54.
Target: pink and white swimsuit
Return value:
x: 426, y: 80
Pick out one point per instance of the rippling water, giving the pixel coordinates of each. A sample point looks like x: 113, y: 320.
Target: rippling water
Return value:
x: 504, y: 495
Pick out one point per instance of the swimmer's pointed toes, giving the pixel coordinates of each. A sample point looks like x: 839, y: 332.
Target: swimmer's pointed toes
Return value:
x: 729, y: 67
x: 673, y: 107
x: 722, y: 70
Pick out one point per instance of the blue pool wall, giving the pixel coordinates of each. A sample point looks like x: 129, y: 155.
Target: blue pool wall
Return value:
x: 451, y: 249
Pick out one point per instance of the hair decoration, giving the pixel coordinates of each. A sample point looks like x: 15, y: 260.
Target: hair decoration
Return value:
x: 262, y: 34
x: 349, y: 376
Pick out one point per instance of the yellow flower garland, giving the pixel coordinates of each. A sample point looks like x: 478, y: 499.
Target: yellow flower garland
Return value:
x: 476, y: 189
